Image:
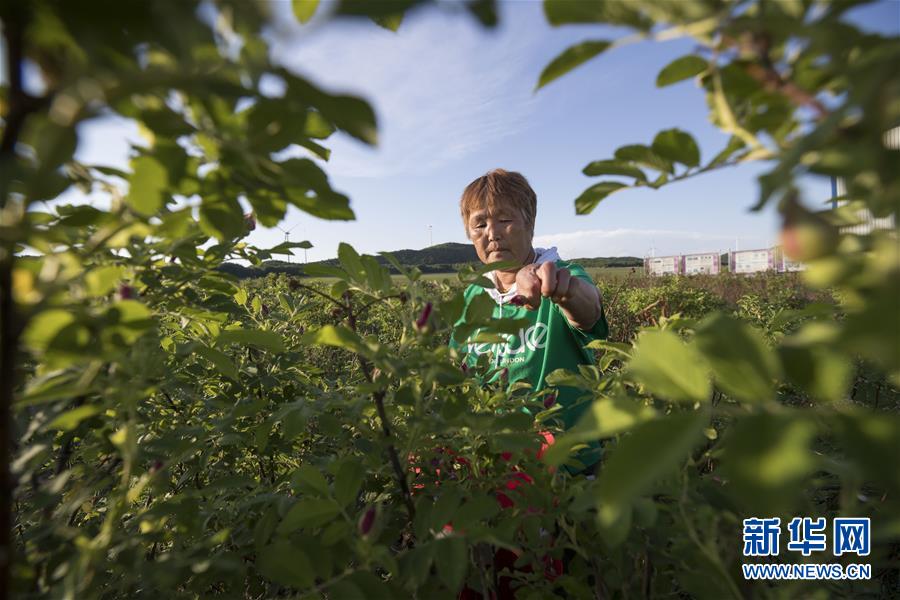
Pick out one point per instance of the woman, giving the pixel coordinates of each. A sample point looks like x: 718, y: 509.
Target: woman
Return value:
x: 560, y: 302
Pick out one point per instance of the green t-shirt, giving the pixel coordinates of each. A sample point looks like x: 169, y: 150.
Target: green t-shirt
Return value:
x: 547, y: 343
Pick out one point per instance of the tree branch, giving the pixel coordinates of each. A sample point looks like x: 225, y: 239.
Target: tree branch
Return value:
x: 378, y: 397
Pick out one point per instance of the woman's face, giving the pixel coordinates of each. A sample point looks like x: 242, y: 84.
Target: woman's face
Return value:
x: 499, y: 235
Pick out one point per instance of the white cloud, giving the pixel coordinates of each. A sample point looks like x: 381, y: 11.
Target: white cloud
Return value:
x: 441, y: 87
x: 638, y: 242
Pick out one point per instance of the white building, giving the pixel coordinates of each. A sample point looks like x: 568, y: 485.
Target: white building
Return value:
x: 663, y: 265
x: 754, y: 261
x: 707, y: 263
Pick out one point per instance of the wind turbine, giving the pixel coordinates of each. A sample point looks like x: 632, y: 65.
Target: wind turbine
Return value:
x: 287, y: 237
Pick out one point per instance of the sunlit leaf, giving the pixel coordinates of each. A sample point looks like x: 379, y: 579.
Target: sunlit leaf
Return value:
x: 668, y: 367
x: 642, y: 457
x: 677, y: 146
x: 148, y: 182
x: 680, y: 69
x: 304, y: 9
x: 571, y: 58
x: 743, y: 364
x: 591, y: 197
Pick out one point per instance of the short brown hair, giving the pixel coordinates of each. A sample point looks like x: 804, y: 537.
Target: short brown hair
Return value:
x: 495, y: 187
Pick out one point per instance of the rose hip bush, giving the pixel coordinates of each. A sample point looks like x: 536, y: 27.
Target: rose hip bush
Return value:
x: 170, y: 431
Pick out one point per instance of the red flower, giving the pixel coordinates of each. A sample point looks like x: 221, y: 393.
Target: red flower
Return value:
x: 422, y: 321
x: 367, y: 520
x: 126, y: 292
x: 549, y: 399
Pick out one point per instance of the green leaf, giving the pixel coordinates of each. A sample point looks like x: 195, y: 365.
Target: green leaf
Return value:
x: 609, y: 416
x: 444, y: 508
x: 284, y: 563
x: 677, y: 146
x: 222, y: 219
x: 569, y: 59
x: 415, y: 565
x: 43, y: 328
x: 820, y: 371
x: 648, y: 453
x: 563, y: 12
x: 669, y: 368
x: 605, y: 417
x: 452, y: 560
x: 591, y: 197
x: 70, y: 419
x: 324, y: 271
x: 766, y: 459
x: 643, y: 155
x: 148, y: 181
x: 102, y: 280
x: 352, y: 264
x: 389, y: 22
x: 219, y: 360
x: 743, y: 364
x: 349, y: 113
x: 613, y: 167
x: 304, y: 9
x: 377, y: 276
x: 126, y: 321
x: 345, y: 590
x: 348, y: 480
x: 867, y: 437
x: 254, y: 337
x: 308, y: 513
x: 308, y: 478
x: 680, y: 69
x: 339, y: 336
x: 476, y: 511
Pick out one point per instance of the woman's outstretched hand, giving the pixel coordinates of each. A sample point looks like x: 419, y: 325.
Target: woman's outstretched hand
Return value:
x: 579, y: 301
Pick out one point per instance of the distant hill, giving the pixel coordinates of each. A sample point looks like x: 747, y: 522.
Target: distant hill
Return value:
x: 442, y: 258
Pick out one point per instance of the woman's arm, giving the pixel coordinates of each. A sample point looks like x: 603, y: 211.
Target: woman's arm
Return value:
x: 578, y: 300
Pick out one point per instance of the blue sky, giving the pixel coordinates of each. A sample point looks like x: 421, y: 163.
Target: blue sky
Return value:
x: 454, y: 100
